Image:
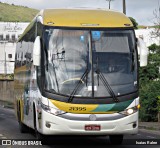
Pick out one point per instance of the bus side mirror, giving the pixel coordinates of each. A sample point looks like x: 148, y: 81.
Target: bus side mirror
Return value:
x: 37, y: 51
x: 143, y: 52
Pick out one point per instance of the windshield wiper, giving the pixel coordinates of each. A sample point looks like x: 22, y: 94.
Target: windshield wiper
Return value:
x: 105, y: 83
x: 78, y: 85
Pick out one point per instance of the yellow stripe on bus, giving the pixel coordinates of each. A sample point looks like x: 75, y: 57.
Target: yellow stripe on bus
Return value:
x: 78, y: 108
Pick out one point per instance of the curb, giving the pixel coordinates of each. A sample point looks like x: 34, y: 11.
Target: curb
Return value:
x: 6, y: 104
x: 149, y: 128
x: 155, y: 132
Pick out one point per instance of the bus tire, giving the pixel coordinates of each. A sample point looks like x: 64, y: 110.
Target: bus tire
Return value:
x: 116, y: 139
x: 38, y: 135
x: 22, y: 127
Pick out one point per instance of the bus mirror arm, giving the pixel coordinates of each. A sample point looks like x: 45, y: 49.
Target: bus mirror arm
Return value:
x: 143, y: 52
x: 37, y: 51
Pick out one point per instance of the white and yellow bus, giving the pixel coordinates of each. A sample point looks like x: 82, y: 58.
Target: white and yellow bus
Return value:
x: 76, y: 73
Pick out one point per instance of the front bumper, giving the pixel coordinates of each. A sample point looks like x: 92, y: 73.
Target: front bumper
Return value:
x: 61, y: 126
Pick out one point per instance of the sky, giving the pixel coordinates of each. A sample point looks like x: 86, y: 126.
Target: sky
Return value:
x: 140, y: 10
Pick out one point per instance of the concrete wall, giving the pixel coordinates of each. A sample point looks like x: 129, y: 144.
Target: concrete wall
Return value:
x: 6, y: 91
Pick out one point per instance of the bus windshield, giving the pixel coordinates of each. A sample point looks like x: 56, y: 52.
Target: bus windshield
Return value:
x: 81, y: 56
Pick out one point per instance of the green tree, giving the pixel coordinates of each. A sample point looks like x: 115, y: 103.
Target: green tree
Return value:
x: 154, y: 48
x: 150, y: 86
x: 134, y: 22
x: 151, y: 71
x: 158, y: 108
x: 156, y: 22
x: 149, y: 93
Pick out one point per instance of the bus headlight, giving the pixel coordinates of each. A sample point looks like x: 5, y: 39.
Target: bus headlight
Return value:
x: 56, y: 111
x: 130, y: 111
x: 52, y: 110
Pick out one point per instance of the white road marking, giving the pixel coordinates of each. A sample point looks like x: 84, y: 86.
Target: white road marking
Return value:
x: 3, y: 137
x: 150, y: 137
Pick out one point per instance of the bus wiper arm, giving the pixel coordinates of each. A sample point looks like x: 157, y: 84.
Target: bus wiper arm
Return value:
x: 106, y: 85
x: 78, y: 85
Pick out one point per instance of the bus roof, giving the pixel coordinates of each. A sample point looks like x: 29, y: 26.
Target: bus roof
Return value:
x: 85, y: 18
x: 81, y: 17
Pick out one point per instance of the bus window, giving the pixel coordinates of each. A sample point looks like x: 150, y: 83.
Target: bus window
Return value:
x: 67, y: 58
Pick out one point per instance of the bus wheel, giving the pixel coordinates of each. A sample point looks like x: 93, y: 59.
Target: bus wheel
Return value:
x: 38, y: 135
x: 22, y: 127
x: 116, y: 139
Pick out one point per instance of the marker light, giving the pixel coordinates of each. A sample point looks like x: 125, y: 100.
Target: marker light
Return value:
x: 138, y: 106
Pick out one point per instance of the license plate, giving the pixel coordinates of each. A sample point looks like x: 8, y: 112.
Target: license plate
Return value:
x: 92, y: 127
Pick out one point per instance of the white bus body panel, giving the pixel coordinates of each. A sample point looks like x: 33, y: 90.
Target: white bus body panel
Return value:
x: 61, y: 126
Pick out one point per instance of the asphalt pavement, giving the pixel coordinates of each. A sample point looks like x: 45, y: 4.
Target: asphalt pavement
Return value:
x: 9, y: 130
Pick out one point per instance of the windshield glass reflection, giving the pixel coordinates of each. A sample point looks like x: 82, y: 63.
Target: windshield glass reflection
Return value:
x: 69, y: 58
